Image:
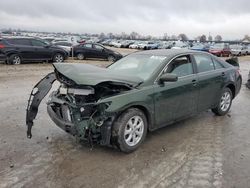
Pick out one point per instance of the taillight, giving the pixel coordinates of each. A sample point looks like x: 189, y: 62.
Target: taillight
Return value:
x: 2, y: 46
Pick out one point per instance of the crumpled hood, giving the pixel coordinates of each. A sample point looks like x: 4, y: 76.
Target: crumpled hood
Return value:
x: 85, y: 74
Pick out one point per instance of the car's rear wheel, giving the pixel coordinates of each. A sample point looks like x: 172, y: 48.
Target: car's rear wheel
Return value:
x: 224, y: 103
x: 80, y: 56
x: 111, y: 58
x: 14, y: 59
x: 129, y: 130
x: 58, y: 58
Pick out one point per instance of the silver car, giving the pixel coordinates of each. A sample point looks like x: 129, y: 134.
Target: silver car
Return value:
x: 238, y: 50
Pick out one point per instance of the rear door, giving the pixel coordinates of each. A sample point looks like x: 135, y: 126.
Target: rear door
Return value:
x: 99, y: 51
x: 23, y: 46
x: 176, y: 100
x: 210, y: 81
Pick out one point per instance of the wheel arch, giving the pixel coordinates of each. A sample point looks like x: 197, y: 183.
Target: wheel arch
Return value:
x: 145, y: 110
x: 232, y: 87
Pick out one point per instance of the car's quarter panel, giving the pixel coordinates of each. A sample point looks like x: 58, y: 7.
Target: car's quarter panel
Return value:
x: 175, y: 100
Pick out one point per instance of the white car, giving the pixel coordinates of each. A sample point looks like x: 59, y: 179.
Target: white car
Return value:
x: 238, y: 50
x: 116, y: 44
x: 65, y: 45
x: 134, y: 46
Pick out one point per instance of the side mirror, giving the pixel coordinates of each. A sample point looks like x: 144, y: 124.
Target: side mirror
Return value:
x: 47, y: 46
x: 168, y: 77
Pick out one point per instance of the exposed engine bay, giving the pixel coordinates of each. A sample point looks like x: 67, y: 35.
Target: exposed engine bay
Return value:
x: 75, y: 108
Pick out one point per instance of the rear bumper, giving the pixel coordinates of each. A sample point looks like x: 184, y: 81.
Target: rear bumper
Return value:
x: 3, y: 57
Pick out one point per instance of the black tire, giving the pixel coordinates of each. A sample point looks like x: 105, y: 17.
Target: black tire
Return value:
x: 58, y: 58
x: 119, y: 126
x: 80, y: 56
x: 111, y: 58
x: 219, y: 111
x: 14, y: 59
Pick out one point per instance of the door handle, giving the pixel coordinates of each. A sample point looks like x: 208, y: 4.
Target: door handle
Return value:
x: 194, y: 82
x: 223, y: 74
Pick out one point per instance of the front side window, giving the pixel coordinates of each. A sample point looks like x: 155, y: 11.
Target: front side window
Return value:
x: 204, y: 63
x: 181, y: 66
x: 38, y: 43
x: 98, y: 47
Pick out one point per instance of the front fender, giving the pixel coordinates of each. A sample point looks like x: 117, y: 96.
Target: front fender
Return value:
x: 137, y: 97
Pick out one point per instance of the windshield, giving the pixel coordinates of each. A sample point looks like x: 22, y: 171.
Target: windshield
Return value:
x: 142, y: 66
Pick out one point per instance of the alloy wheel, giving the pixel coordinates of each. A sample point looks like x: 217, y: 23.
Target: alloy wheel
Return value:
x: 58, y: 58
x: 134, y: 130
x: 16, y: 60
x: 225, y: 101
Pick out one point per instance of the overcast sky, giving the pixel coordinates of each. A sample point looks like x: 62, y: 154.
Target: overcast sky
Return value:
x: 229, y: 18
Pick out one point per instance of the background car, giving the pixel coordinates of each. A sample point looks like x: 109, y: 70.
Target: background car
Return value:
x: 200, y: 47
x: 238, y: 50
x: 18, y: 50
x: 90, y: 50
x: 119, y: 104
x: 220, y: 49
x: 67, y: 46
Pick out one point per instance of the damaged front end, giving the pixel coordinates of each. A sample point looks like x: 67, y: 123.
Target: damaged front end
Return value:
x: 78, y: 109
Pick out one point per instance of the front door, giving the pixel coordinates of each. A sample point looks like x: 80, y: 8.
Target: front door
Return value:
x: 41, y: 50
x: 99, y: 51
x: 176, y: 100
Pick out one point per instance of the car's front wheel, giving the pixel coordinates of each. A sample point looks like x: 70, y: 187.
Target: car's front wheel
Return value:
x: 58, y: 58
x: 129, y: 130
x: 111, y: 58
x: 224, y: 103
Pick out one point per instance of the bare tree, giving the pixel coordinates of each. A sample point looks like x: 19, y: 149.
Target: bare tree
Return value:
x: 183, y: 37
x: 246, y: 37
x: 218, y: 38
x: 203, y: 38
x: 134, y: 35
x: 174, y: 37
x: 210, y: 38
x: 165, y: 36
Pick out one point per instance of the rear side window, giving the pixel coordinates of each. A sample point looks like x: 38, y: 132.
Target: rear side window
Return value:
x: 204, y: 63
x: 24, y: 42
x: 181, y: 66
x: 217, y: 64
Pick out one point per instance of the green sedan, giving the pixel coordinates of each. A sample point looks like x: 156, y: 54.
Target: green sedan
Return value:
x: 144, y: 91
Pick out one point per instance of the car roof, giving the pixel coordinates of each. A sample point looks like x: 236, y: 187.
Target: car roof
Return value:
x: 165, y: 52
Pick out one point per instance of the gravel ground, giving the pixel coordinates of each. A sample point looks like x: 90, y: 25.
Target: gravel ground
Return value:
x: 202, y: 151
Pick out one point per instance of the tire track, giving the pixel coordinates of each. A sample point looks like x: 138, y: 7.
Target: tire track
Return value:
x: 195, y: 163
